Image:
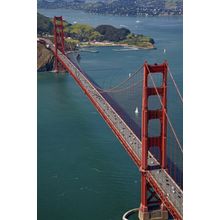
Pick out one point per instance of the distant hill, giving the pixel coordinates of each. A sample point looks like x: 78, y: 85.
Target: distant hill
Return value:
x: 119, y: 7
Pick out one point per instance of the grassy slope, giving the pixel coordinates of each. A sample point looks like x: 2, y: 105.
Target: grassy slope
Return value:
x: 44, y: 24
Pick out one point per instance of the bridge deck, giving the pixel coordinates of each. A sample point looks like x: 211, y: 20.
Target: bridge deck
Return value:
x: 162, y: 182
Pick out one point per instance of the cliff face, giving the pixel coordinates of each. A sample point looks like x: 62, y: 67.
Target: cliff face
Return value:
x: 45, y: 58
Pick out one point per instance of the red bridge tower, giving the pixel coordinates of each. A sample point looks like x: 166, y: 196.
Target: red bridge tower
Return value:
x: 58, y: 39
x: 147, y: 194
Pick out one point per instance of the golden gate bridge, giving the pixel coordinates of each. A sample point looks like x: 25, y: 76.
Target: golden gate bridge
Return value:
x: 148, y: 144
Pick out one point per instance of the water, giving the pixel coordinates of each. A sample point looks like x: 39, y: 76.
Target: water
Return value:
x: 83, y: 171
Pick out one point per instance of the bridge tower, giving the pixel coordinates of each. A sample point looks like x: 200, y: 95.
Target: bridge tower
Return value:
x: 58, y: 39
x: 147, y: 194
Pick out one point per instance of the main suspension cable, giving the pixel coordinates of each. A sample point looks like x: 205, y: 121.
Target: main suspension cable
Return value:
x: 122, y: 89
x: 121, y: 83
x: 174, y: 82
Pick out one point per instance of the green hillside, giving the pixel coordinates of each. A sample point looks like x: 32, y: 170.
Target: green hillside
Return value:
x: 44, y: 24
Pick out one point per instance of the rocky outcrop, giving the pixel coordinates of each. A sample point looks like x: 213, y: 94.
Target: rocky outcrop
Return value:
x: 45, y: 58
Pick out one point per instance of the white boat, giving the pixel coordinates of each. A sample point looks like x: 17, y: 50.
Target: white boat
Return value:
x: 129, y: 75
x: 136, y: 111
x: 137, y: 21
x: 164, y: 50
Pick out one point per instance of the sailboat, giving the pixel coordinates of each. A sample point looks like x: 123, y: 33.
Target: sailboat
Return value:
x: 164, y: 50
x: 136, y: 111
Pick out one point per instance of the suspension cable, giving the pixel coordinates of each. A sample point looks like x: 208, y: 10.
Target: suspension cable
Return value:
x: 168, y: 119
x: 104, y: 69
x: 174, y: 82
x: 122, y: 89
x: 121, y: 83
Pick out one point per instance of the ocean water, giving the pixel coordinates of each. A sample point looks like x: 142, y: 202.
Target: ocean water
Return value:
x: 83, y: 171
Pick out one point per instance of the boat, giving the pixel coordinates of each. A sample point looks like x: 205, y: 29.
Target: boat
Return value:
x: 136, y: 111
x: 164, y: 50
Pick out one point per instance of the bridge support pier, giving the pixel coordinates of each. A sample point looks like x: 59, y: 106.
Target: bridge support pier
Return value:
x: 153, y: 215
x: 143, y: 215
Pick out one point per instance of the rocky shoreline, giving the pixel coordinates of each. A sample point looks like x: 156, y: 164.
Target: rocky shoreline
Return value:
x: 45, y: 58
x: 112, y: 44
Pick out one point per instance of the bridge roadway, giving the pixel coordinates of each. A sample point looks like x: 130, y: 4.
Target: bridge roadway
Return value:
x: 165, y: 187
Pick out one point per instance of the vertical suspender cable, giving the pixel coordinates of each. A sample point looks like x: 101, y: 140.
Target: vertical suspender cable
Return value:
x: 121, y: 83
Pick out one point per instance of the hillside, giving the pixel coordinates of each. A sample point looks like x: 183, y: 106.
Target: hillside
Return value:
x: 45, y: 58
x: 44, y: 24
x: 119, y: 7
x: 81, y: 35
x: 111, y: 33
x: 106, y: 33
x: 76, y: 34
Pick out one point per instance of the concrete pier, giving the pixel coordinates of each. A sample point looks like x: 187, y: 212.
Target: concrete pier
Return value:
x: 153, y: 215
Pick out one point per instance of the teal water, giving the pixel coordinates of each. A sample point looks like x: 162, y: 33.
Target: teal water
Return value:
x: 83, y: 171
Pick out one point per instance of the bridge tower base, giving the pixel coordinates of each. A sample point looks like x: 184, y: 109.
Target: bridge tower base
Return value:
x: 153, y: 215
